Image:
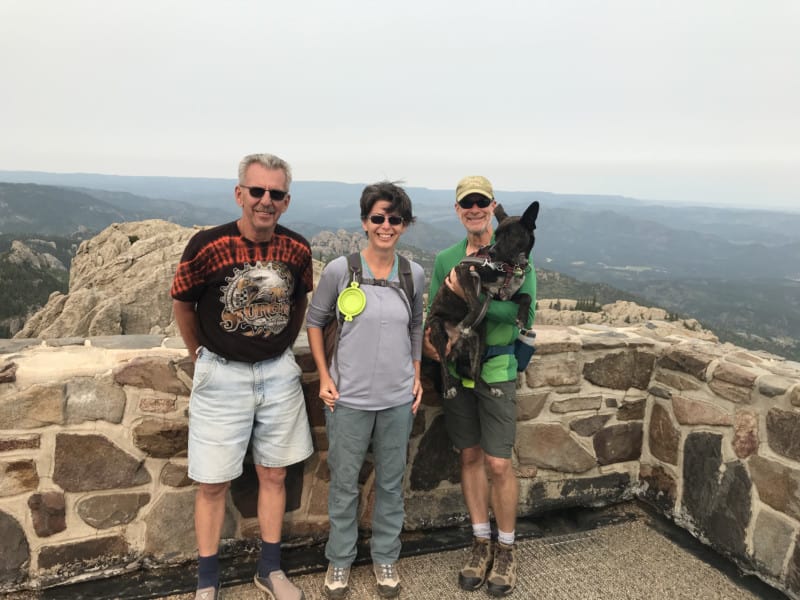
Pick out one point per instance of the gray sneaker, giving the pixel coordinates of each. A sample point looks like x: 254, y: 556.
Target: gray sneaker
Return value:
x: 473, y: 573
x: 503, y: 577
x: 336, y: 582
x: 208, y: 593
x: 278, y: 587
x: 388, y: 580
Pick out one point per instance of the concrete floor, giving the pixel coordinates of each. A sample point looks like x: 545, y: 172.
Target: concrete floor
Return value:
x: 629, y: 561
x: 621, y: 552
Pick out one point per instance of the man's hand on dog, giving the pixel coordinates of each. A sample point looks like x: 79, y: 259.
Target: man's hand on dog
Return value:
x: 451, y: 281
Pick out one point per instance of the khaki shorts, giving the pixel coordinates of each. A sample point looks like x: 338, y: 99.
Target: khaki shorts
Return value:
x: 485, y: 416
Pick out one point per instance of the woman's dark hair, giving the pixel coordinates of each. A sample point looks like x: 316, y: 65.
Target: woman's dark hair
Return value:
x: 399, y: 201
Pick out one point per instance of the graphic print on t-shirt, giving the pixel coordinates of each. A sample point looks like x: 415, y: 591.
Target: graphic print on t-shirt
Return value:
x: 257, y: 299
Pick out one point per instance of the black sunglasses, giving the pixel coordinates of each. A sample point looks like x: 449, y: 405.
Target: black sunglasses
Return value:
x: 468, y: 202
x: 258, y: 193
x: 379, y: 219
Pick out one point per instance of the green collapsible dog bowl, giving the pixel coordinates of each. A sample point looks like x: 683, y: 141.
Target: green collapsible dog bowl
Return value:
x: 352, y: 301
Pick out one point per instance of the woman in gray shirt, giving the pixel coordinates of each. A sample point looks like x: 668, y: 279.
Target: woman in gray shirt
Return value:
x: 372, y: 388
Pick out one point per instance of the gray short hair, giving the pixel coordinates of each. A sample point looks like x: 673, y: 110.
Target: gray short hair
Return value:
x: 268, y: 161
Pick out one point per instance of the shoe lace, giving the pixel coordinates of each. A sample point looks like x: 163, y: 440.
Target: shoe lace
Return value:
x: 502, y: 560
x: 387, y: 571
x: 339, y: 574
x: 479, y: 552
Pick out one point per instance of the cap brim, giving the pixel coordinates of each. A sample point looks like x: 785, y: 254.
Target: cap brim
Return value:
x: 469, y: 191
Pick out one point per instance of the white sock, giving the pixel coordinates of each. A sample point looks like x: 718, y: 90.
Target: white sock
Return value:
x: 482, y: 530
x: 505, y: 537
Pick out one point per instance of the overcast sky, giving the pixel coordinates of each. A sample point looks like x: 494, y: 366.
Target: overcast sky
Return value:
x: 678, y: 100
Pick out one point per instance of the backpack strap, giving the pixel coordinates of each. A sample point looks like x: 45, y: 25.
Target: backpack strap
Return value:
x: 406, y: 278
x: 405, y: 288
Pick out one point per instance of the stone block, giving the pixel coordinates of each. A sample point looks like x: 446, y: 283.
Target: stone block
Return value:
x: 152, y: 372
x: 15, y: 556
x: 687, y: 359
x: 161, y: 438
x: 745, y: 434
x: 716, y: 499
x: 17, y: 477
x: 30, y: 441
x: 90, y: 399
x: 36, y: 406
x: 48, y: 512
x: 777, y: 485
x: 8, y: 372
x: 580, y: 403
x: 772, y: 537
x: 730, y: 391
x: 92, y: 462
x: 734, y: 374
x: 782, y: 428
x: 175, y: 475
x: 154, y: 402
x: 102, y: 512
x: 772, y: 386
x: 664, y: 437
x: 631, y: 410
x: 588, y: 426
x: 550, y: 446
x: 553, y: 370
x: 530, y: 404
x: 697, y: 412
x: 618, y: 443
x: 76, y: 557
x: 621, y: 370
x: 676, y: 380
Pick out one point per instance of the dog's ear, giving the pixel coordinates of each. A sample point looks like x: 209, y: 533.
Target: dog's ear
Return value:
x: 529, y: 216
x: 500, y: 213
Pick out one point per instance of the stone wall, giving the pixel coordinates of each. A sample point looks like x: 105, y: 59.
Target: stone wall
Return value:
x: 93, y: 450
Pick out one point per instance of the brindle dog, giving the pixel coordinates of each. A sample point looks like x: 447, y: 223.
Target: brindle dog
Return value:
x: 497, y: 271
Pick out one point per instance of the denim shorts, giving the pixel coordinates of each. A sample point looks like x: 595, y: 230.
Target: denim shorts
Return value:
x: 235, y: 402
x: 485, y: 415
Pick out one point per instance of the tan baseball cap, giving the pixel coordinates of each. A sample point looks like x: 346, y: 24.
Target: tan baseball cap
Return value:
x: 474, y: 184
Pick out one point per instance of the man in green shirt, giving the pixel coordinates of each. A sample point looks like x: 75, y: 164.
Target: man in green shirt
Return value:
x: 481, y: 421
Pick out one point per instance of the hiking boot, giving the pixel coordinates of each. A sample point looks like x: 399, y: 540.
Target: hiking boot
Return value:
x: 208, y: 593
x: 473, y: 573
x: 336, y: 582
x: 503, y: 577
x: 388, y: 580
x: 278, y: 587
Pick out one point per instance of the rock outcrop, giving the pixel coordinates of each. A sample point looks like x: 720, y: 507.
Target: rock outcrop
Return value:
x: 119, y: 284
x: 562, y: 312
x: 23, y: 254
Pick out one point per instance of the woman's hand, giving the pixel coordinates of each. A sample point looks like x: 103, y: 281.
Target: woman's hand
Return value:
x: 417, y: 391
x: 327, y: 391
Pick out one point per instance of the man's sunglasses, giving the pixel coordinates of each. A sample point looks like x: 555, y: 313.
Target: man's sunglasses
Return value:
x: 468, y: 202
x: 379, y: 219
x: 258, y: 193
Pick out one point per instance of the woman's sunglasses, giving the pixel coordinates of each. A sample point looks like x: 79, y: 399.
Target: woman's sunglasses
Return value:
x: 379, y: 219
x: 258, y: 193
x: 468, y: 202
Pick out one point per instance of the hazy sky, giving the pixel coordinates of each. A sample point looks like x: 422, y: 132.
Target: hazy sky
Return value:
x: 676, y: 100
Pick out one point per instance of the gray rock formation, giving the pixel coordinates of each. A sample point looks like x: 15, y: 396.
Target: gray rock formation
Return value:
x: 21, y: 254
x: 119, y: 284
